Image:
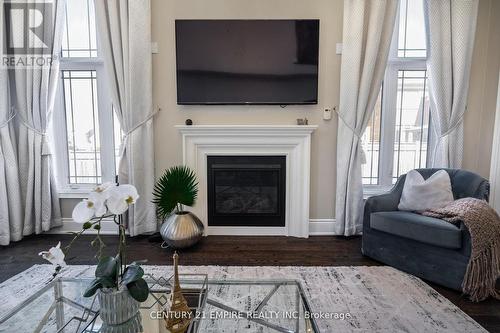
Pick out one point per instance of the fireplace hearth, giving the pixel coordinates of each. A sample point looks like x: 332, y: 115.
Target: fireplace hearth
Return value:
x: 246, y: 190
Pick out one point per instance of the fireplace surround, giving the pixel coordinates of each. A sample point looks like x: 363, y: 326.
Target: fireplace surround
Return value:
x: 292, y: 142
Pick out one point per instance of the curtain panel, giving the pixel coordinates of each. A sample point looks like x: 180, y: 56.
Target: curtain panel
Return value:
x: 367, y: 32
x: 124, y: 31
x: 11, y: 220
x: 32, y: 91
x: 451, y: 27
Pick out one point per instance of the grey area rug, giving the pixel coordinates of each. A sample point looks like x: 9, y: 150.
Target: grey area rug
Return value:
x: 378, y: 298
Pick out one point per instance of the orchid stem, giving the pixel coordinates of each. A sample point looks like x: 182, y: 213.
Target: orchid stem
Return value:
x: 94, y: 221
x: 121, y: 246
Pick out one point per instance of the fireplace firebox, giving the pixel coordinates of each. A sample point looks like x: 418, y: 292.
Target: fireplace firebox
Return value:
x: 246, y: 190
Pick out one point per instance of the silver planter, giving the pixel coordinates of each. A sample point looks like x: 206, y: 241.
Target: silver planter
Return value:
x: 181, y: 230
x: 119, y: 312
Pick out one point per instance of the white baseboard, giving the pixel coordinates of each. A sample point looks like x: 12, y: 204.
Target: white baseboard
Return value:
x: 321, y: 227
x: 108, y: 227
x: 317, y: 227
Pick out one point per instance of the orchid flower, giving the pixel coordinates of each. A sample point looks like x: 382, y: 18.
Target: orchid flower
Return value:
x: 103, y: 188
x: 95, y: 205
x: 99, y: 196
x: 83, y: 211
x: 121, y: 197
x: 55, y: 255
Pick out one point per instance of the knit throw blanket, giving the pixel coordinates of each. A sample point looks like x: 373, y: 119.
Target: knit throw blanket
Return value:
x: 483, y: 224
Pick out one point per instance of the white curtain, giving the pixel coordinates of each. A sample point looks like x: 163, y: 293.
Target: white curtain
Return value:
x: 11, y: 223
x: 368, y: 28
x: 450, y: 39
x: 33, y: 92
x: 124, y: 30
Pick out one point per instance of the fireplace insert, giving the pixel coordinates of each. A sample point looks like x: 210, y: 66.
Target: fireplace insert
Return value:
x: 246, y: 190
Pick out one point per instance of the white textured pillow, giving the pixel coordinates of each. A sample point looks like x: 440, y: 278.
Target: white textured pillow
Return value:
x: 419, y: 194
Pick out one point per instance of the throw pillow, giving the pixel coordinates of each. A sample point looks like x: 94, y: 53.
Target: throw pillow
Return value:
x: 419, y: 194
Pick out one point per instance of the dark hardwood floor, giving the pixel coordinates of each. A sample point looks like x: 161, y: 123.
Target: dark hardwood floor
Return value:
x: 241, y: 251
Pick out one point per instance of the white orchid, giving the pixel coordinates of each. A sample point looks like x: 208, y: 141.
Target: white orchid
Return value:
x: 108, y: 196
x: 121, y: 197
x: 83, y: 211
x: 55, y: 255
x: 94, y: 206
x: 103, y: 188
x: 99, y: 196
x: 106, y: 200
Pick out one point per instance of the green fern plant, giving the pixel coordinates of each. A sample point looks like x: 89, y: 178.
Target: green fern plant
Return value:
x: 176, y: 187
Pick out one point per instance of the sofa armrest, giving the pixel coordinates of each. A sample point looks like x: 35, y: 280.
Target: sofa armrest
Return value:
x: 383, y: 203
x: 380, y: 203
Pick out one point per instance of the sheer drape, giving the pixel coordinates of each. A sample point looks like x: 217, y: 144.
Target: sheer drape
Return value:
x: 32, y: 91
x: 11, y: 223
x: 368, y: 28
x: 451, y: 31
x: 124, y: 30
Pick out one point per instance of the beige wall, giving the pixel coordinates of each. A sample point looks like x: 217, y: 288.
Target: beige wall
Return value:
x: 168, y: 140
x: 478, y: 121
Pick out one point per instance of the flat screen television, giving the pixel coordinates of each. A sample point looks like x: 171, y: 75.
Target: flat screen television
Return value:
x: 247, y: 61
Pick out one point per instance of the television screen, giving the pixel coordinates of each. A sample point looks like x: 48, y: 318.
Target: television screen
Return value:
x: 247, y: 61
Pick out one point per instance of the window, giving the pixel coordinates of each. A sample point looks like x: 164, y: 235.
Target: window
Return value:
x: 84, y: 116
x: 397, y: 135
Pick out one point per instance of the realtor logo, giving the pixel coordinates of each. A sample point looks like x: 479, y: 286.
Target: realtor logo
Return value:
x: 27, y: 26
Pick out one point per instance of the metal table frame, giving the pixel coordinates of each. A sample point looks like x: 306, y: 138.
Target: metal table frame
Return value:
x: 311, y: 326
x: 89, y: 315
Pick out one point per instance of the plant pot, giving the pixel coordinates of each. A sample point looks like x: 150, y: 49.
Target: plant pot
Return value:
x: 181, y: 230
x: 119, y: 312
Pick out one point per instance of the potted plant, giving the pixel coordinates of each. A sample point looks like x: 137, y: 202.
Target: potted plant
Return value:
x: 119, y: 287
x: 177, y: 188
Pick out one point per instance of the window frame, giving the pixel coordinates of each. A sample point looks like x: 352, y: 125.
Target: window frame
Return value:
x: 389, y: 112
x: 105, y: 120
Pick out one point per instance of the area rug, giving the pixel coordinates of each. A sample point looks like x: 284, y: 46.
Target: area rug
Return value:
x: 377, y: 298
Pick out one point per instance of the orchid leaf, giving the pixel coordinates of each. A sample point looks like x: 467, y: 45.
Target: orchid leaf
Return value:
x: 92, y: 288
x: 99, y: 283
x: 107, y: 267
x: 139, y: 290
x: 107, y: 282
x: 132, y: 273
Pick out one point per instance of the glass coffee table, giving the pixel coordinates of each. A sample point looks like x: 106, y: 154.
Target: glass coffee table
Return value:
x: 218, y: 306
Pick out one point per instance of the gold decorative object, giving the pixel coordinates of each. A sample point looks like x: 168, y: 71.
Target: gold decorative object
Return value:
x: 179, y: 315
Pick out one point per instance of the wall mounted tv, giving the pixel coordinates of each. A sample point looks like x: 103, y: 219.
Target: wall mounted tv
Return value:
x: 247, y: 61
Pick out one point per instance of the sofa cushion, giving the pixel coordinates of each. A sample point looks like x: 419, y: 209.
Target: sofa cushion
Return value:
x: 417, y: 227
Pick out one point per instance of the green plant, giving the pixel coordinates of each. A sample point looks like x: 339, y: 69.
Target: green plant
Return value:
x: 108, y: 276
x: 175, y: 188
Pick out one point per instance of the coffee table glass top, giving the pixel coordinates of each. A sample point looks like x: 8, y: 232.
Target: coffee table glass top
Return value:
x: 220, y: 306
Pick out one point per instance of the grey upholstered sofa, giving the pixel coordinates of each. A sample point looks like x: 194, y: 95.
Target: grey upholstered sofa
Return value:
x: 429, y: 248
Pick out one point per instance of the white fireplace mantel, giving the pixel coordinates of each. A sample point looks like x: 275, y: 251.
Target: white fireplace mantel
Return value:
x: 292, y: 141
